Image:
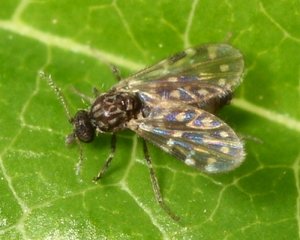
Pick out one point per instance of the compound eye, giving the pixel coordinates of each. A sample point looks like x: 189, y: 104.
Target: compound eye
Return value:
x: 84, y: 130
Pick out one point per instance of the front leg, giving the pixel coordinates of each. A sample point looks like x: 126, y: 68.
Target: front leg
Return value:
x: 109, y: 159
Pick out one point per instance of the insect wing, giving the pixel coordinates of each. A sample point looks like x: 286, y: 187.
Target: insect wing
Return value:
x: 193, y: 135
x: 194, y: 76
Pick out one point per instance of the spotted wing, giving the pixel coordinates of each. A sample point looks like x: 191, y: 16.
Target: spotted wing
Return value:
x: 193, y: 135
x: 195, y: 76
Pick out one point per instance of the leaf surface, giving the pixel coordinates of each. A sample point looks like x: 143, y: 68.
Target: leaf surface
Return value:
x: 42, y: 197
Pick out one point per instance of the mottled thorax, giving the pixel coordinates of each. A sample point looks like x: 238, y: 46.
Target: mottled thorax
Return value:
x: 111, y: 111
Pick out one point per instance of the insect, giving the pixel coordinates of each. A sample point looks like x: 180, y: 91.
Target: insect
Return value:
x: 171, y: 104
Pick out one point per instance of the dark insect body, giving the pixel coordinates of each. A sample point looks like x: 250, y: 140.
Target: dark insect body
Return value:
x: 109, y: 113
x: 171, y: 104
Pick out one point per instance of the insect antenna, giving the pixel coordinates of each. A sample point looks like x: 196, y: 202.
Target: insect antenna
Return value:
x: 58, y: 93
x: 116, y: 72
x: 71, y: 137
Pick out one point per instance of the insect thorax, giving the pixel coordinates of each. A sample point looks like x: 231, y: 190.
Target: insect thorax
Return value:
x: 111, y: 111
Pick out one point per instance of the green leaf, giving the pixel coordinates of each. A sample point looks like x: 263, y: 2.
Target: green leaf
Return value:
x: 42, y: 197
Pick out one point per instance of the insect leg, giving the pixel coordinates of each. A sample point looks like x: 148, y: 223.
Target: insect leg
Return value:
x: 116, y: 72
x: 155, y: 184
x: 79, y: 163
x: 109, y: 159
x: 96, y: 92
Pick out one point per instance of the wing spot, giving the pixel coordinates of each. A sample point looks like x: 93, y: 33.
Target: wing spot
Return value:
x: 211, y: 160
x: 173, y: 79
x: 190, y: 52
x: 189, y: 161
x: 175, y: 94
x: 207, y: 121
x: 224, y: 67
x: 203, y: 92
x: 170, y: 142
x: 177, y: 134
x: 222, y: 82
x: 224, y: 134
x: 212, y: 53
x: 224, y: 149
x: 181, y: 116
